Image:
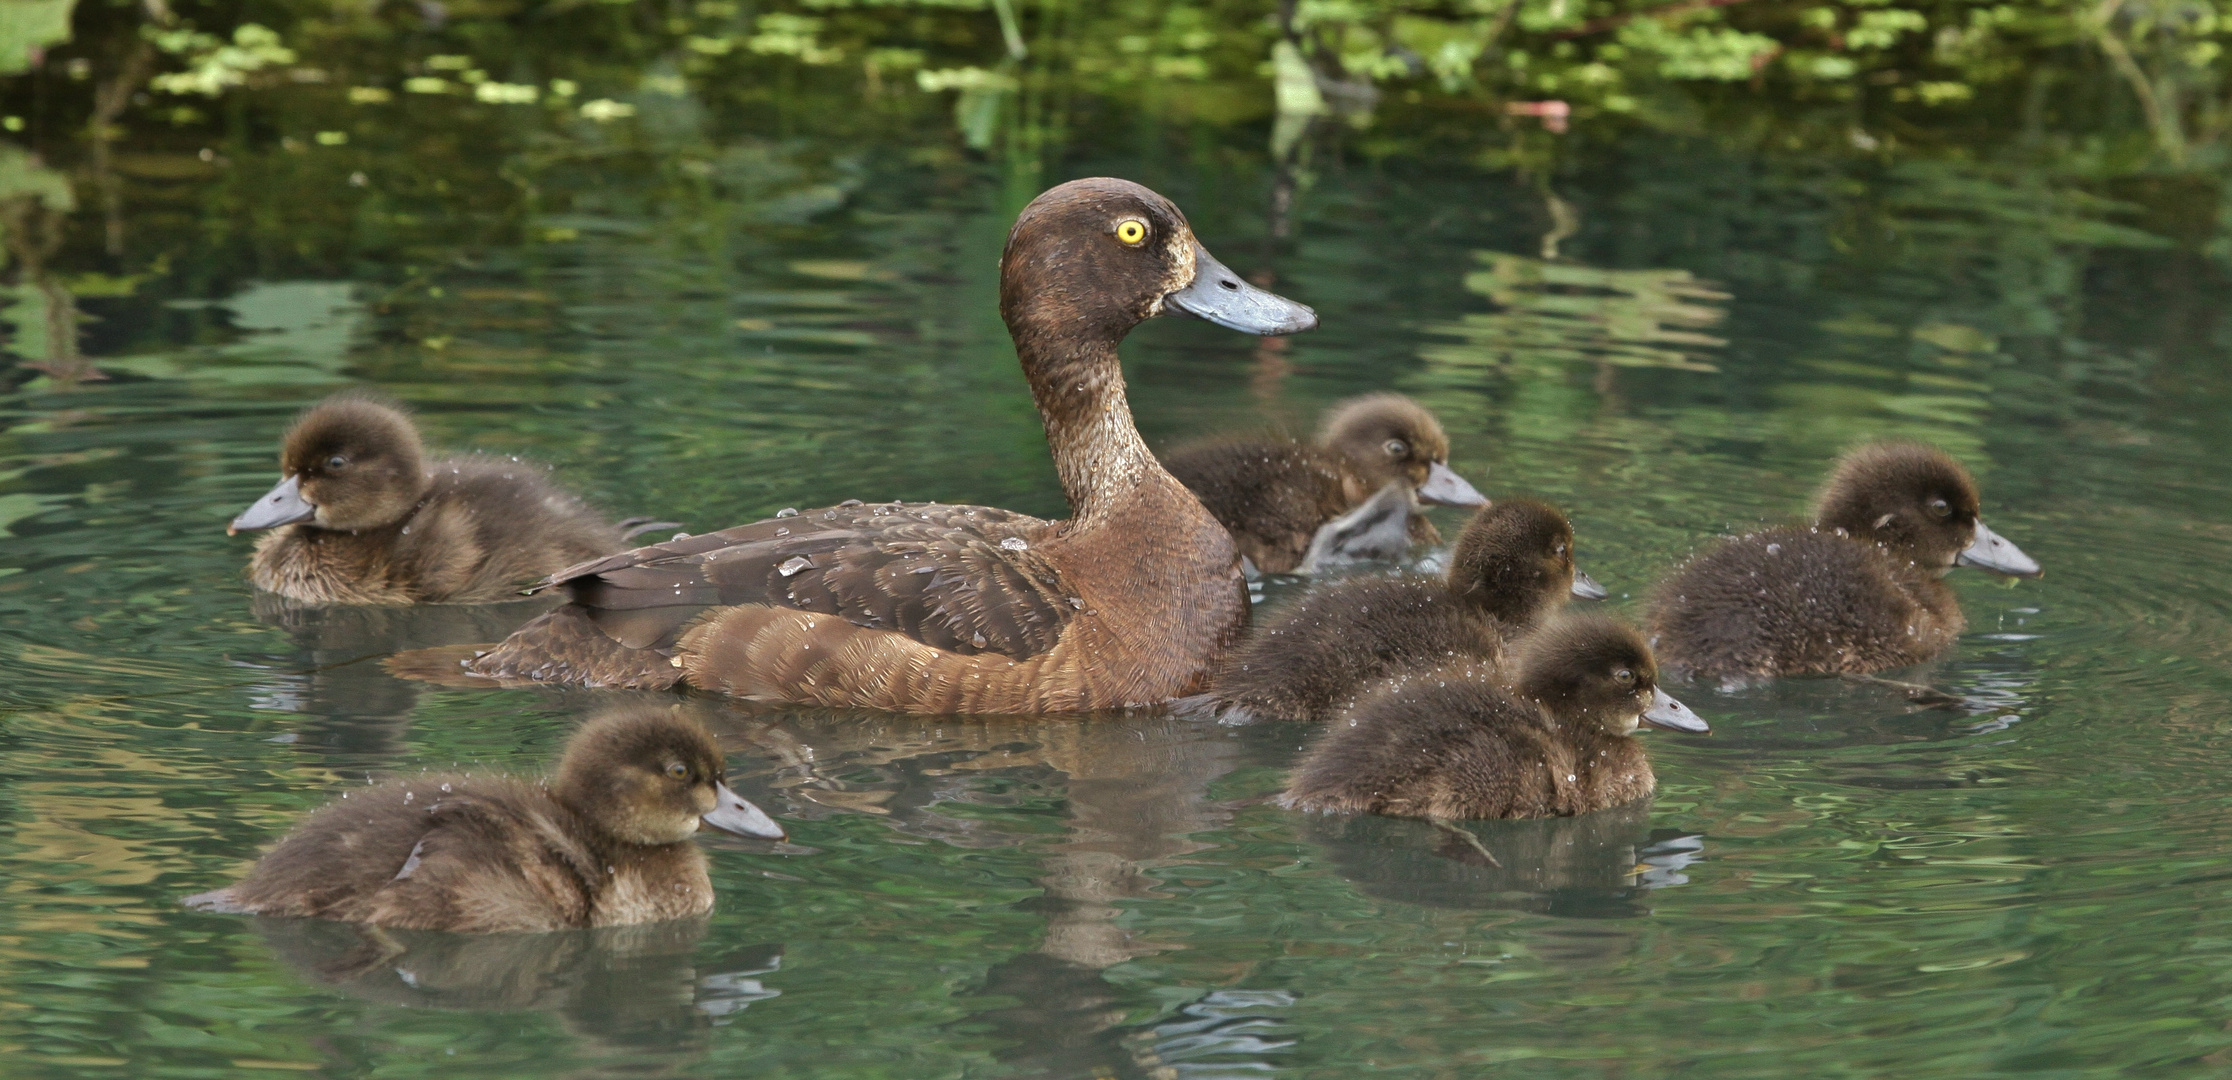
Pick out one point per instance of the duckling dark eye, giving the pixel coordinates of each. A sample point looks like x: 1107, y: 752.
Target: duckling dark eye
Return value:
x: 337, y: 462
x: 1131, y: 232
x: 1939, y: 508
x: 1396, y: 448
x: 677, y: 770
x: 1624, y: 677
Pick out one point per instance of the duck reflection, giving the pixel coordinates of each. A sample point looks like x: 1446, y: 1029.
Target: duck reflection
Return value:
x: 1131, y: 791
x: 629, y: 994
x: 352, y: 711
x: 1601, y: 865
x: 1994, y: 687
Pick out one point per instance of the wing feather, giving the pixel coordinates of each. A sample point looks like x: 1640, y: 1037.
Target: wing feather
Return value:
x: 958, y: 578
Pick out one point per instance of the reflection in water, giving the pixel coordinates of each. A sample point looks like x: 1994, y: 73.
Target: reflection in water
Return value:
x: 1995, y: 687
x: 41, y: 315
x: 1131, y: 790
x: 629, y: 994
x: 1601, y: 865
x: 1228, y: 1033
x: 349, y: 708
x: 1549, y: 313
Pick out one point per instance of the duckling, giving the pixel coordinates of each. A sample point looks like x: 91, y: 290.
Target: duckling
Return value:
x: 1452, y: 743
x: 1513, y: 565
x: 361, y: 518
x: 1277, y: 497
x: 604, y: 842
x: 1857, y: 592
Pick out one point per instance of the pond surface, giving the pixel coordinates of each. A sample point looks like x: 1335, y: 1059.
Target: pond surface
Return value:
x: 710, y: 318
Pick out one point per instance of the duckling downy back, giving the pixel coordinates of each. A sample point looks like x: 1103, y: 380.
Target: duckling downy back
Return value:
x: 603, y: 842
x: 1857, y: 592
x: 361, y: 517
x: 1453, y: 743
x: 1513, y: 564
x: 1277, y: 497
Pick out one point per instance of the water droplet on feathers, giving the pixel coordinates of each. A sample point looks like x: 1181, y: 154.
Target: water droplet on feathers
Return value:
x: 788, y: 511
x: 850, y: 502
x: 794, y: 564
x: 979, y: 641
x: 1015, y: 543
x: 782, y: 532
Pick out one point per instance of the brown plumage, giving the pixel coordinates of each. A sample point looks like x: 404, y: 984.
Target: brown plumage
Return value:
x: 1857, y: 592
x: 1513, y: 565
x: 360, y: 516
x: 1275, y: 496
x: 944, y: 609
x: 1452, y: 743
x: 604, y: 842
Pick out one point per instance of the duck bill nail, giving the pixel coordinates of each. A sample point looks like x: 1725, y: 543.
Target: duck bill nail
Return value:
x: 1443, y: 487
x: 1586, y: 588
x: 731, y: 814
x: 1220, y: 296
x: 1991, y: 551
x: 283, y: 505
x: 1672, y: 715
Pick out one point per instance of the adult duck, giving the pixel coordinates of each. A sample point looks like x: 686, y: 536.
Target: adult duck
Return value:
x: 1290, y: 504
x: 1857, y: 592
x: 360, y: 516
x: 926, y: 608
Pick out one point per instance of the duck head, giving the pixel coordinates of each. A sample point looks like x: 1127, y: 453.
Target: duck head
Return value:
x: 647, y: 776
x: 1917, y: 501
x: 1093, y: 258
x: 1515, y: 560
x: 1590, y: 670
x: 351, y: 462
x: 1391, y: 437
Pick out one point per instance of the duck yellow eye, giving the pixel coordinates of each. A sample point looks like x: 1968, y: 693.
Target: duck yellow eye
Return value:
x: 677, y: 770
x: 1624, y: 677
x: 1131, y: 231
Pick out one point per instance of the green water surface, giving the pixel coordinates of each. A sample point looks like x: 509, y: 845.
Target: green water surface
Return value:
x: 747, y: 298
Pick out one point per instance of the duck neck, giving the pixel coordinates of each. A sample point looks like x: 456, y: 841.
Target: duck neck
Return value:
x: 1079, y: 387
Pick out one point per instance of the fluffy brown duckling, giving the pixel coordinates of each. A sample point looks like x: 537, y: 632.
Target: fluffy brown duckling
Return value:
x: 1453, y: 744
x: 361, y: 517
x: 1513, y: 565
x: 1276, y: 497
x: 1854, y: 593
x: 604, y: 842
